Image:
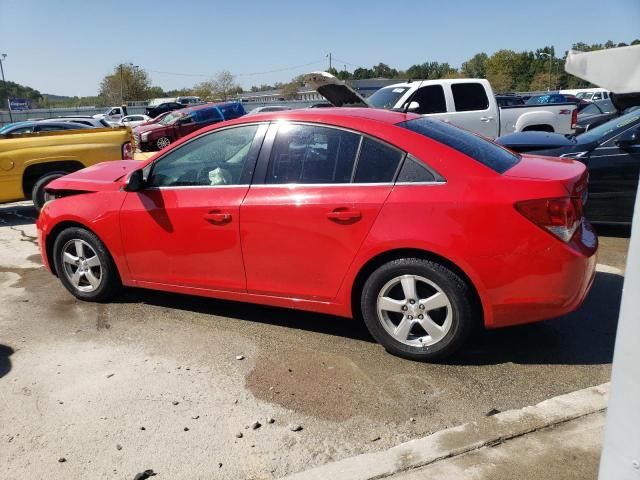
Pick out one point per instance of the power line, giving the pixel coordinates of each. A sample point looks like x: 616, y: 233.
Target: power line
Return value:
x: 207, y: 75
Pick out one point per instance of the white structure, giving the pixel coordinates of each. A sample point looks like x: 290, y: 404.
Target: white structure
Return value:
x: 618, y: 70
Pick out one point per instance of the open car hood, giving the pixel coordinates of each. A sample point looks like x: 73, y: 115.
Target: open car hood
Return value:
x: 97, y: 178
x: 338, y: 93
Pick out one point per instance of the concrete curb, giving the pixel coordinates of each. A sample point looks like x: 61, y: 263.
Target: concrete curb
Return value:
x: 464, y: 438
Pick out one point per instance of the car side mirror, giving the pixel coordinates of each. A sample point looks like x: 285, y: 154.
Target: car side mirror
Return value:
x: 413, y: 106
x: 134, y: 182
x: 629, y: 139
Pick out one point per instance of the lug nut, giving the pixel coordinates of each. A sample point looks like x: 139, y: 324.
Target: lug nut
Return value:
x: 405, y: 308
x: 412, y: 301
x: 420, y: 317
x: 421, y: 307
x: 410, y: 317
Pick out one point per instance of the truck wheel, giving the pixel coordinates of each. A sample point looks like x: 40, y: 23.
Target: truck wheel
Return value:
x: 417, y: 309
x: 37, y: 192
x: 162, y: 142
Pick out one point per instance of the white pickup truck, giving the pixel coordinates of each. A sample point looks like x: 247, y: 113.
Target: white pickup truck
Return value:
x: 468, y: 103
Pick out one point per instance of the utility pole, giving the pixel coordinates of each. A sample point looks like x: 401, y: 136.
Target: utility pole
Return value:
x: 329, y: 60
x: 121, y: 87
x: 4, y: 82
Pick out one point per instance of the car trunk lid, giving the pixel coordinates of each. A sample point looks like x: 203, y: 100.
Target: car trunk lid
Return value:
x: 338, y: 93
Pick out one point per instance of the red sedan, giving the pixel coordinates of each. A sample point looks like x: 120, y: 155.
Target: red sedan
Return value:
x: 419, y: 228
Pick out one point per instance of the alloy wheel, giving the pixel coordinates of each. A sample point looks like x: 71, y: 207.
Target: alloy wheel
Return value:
x: 414, y: 310
x: 81, y: 265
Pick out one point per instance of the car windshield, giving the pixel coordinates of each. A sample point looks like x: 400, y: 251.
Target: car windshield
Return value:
x: 591, y: 109
x: 480, y: 149
x: 171, y: 118
x: 598, y: 133
x: 386, y: 97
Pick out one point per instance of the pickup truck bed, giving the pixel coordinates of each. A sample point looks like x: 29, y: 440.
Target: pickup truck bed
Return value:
x: 29, y: 161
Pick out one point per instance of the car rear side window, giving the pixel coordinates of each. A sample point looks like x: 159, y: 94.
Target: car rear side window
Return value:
x: 487, y: 153
x: 310, y: 154
x: 430, y: 100
x: 377, y: 162
x: 414, y: 171
x: 469, y: 96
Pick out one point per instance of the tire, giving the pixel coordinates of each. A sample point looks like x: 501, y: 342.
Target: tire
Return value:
x: 37, y: 192
x: 443, y: 300
x: 97, y: 278
x: 162, y: 142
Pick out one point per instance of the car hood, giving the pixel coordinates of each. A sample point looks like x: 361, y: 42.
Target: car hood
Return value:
x: 97, y: 178
x: 523, y: 141
x: 148, y: 127
x: 338, y: 93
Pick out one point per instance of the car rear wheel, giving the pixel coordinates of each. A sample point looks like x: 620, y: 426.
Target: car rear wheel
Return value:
x: 37, y: 192
x: 417, y: 309
x: 163, y: 142
x: 84, y: 265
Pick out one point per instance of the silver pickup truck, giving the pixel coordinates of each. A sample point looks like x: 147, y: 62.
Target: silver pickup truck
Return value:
x: 465, y: 102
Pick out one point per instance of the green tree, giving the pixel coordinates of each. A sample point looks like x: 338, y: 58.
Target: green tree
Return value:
x: 475, y: 67
x: 125, y: 82
x: 155, y: 92
x: 362, y: 73
x: 499, y: 70
x: 222, y: 87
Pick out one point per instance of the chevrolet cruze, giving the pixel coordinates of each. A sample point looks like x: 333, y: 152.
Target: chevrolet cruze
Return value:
x: 419, y: 228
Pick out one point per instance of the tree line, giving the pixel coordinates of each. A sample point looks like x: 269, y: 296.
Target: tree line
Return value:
x: 506, y: 70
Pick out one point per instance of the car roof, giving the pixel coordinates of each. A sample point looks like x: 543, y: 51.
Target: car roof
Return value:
x: 335, y: 113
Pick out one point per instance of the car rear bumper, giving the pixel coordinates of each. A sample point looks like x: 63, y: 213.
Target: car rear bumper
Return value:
x: 557, y: 281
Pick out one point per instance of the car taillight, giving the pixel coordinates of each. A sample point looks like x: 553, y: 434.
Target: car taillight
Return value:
x: 559, y: 216
x: 127, y: 151
x: 574, y: 118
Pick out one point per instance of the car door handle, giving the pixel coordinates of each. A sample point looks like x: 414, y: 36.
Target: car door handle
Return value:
x: 343, y: 215
x: 217, y: 217
x: 486, y: 119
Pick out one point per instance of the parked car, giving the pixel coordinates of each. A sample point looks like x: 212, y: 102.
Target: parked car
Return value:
x: 85, y: 120
x: 610, y: 151
x: 404, y: 221
x: 269, y: 108
x: 189, y: 100
x: 28, y: 162
x: 467, y: 103
x: 39, y: 126
x: 179, y: 123
x: 598, y: 113
x: 134, y: 120
x: 509, y: 100
x: 154, y: 111
x: 113, y: 114
x: 557, y: 98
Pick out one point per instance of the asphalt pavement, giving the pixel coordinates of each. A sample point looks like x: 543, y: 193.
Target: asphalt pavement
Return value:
x: 152, y: 380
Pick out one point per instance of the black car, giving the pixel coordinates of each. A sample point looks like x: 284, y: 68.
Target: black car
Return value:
x: 610, y: 151
x: 598, y: 113
x: 156, y: 110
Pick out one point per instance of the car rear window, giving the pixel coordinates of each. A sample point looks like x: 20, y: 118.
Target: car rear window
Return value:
x: 488, y: 153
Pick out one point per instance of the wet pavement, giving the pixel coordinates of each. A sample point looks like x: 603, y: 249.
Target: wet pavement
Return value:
x: 77, y: 380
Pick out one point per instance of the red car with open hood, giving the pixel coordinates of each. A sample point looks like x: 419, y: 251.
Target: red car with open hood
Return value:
x: 419, y: 228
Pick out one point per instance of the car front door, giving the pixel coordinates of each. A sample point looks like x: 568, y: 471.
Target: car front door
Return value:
x: 321, y: 190
x: 614, y: 168
x: 183, y: 227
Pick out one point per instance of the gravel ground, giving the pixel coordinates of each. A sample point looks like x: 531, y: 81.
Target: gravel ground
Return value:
x: 154, y: 380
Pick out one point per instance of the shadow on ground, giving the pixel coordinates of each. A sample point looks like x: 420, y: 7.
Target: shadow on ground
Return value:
x: 618, y: 231
x: 5, y: 362
x: 585, y: 337
x: 15, y: 215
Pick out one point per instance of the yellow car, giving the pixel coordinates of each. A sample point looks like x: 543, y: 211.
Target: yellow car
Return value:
x: 29, y: 161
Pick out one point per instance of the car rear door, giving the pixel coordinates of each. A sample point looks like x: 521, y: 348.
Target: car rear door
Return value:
x: 613, y: 179
x: 183, y: 228
x: 317, y: 192
x: 473, y: 108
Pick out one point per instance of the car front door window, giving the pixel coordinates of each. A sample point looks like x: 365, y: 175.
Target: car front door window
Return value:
x: 218, y: 158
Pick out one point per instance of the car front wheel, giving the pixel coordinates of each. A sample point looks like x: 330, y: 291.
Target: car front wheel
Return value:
x: 163, y: 142
x: 84, y: 265
x: 37, y: 192
x: 417, y: 309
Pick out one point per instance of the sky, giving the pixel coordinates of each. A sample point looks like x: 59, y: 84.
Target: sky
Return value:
x: 66, y: 47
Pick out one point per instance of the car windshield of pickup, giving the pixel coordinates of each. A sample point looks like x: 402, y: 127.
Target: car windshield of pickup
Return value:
x: 386, y: 97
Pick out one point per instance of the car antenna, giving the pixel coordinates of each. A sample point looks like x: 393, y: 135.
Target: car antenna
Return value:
x: 406, y: 106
